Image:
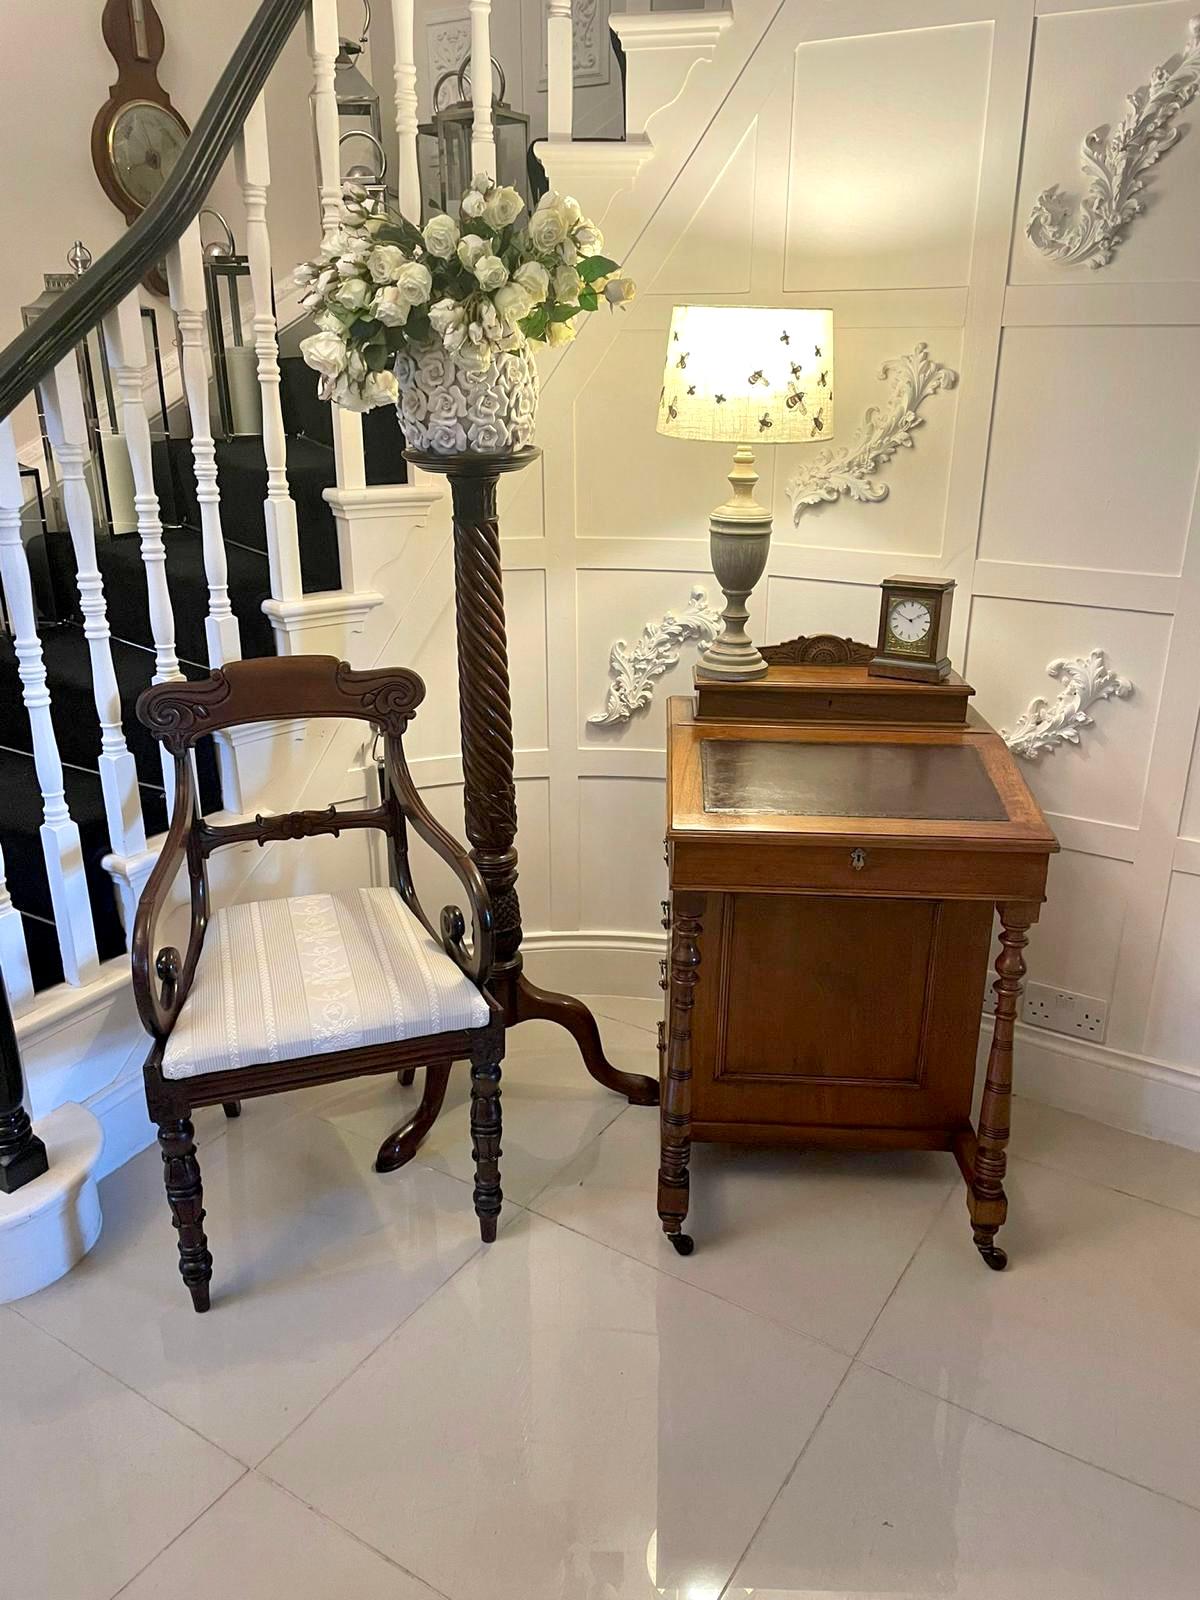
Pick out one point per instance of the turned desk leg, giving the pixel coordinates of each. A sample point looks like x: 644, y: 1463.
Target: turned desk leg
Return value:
x: 675, y: 1116
x: 986, y: 1200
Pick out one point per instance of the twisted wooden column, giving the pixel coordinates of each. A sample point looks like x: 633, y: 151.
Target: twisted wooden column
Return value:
x: 489, y: 787
x: 987, y: 1202
x: 676, y: 1113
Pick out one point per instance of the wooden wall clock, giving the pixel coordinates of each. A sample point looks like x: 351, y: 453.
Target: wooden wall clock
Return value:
x: 138, y: 135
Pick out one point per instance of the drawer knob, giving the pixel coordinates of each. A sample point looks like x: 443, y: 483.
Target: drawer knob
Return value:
x: 858, y: 859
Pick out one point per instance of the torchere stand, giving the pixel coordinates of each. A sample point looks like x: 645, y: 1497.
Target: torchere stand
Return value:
x: 489, y: 787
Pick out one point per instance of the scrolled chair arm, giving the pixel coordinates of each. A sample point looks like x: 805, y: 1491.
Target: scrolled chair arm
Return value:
x: 162, y: 976
x: 475, y: 961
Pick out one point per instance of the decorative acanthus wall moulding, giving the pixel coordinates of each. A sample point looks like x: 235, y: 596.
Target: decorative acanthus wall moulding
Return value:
x: 1114, y: 162
x: 883, y: 431
x: 1043, y: 727
x: 635, y: 669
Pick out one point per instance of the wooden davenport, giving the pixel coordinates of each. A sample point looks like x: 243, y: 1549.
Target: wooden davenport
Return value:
x: 832, y: 881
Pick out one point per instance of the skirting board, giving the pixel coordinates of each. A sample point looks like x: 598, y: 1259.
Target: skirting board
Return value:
x: 1124, y: 1091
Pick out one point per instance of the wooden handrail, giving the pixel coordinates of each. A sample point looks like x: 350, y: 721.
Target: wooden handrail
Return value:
x: 39, y: 349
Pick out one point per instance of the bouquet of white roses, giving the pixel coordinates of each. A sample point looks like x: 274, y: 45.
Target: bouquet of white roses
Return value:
x: 479, y: 286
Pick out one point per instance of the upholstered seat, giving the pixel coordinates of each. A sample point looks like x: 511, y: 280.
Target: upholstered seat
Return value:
x: 282, y: 979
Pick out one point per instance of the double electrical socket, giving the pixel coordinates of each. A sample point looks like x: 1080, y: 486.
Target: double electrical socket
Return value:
x: 1058, y: 1010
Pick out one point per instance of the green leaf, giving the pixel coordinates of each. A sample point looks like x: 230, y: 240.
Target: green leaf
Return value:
x: 563, y: 312
x: 534, y: 325
x: 593, y: 267
x: 589, y: 299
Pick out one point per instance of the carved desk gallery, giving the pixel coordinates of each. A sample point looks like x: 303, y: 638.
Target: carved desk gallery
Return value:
x: 837, y: 843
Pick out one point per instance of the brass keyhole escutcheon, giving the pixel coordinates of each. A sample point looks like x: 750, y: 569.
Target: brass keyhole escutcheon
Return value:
x: 858, y: 859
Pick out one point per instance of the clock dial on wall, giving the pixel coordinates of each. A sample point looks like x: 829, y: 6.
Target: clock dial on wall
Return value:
x: 138, y: 135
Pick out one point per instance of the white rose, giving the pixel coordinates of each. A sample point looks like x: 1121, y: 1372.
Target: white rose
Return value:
x: 347, y: 267
x: 489, y: 320
x: 470, y: 248
x: 482, y: 182
x: 441, y: 235
x: 512, y: 302
x: 381, y: 389
x: 533, y: 277
x: 569, y: 207
x: 445, y: 314
x: 328, y: 322
x: 326, y: 353
x: 546, y: 229
x: 491, y: 272
x: 405, y: 369
x: 567, y: 253
x: 619, y: 291
x: 567, y: 284
x: 455, y: 338
x: 414, y: 282
x: 304, y: 274
x: 445, y: 405
x: 502, y: 206
x: 472, y: 204
x: 491, y: 435
x: 559, y: 333
x: 353, y: 294
x: 348, y: 243
x: 447, y: 438
x: 433, y: 370
x: 385, y: 261
x: 475, y: 358
x: 589, y: 239
x: 390, y: 307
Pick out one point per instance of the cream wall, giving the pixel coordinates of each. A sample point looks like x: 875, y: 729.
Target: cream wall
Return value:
x: 883, y: 161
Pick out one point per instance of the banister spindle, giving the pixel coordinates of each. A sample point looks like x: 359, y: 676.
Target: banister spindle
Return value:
x: 14, y: 953
x: 560, y: 72
x: 125, y: 346
x: 408, y: 178
x: 185, y: 275
x: 323, y: 47
x: 283, y: 537
x: 59, y: 834
x: 62, y: 396
x: 483, y: 140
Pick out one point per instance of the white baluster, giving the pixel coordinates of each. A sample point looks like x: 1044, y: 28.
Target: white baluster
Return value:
x: 323, y: 47
x: 125, y: 346
x: 14, y: 954
x: 408, y: 178
x: 185, y: 277
x: 62, y: 397
x: 483, y: 141
x: 59, y: 835
x: 283, y: 538
x: 560, y: 72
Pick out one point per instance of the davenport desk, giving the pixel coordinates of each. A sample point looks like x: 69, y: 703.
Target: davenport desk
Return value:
x: 837, y: 844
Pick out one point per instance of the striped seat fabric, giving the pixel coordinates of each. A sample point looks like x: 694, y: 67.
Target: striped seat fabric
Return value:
x: 278, y: 979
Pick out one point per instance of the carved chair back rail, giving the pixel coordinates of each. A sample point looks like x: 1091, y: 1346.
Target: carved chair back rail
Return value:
x: 451, y: 1017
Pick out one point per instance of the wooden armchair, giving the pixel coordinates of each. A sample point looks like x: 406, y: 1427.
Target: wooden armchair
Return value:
x: 281, y: 994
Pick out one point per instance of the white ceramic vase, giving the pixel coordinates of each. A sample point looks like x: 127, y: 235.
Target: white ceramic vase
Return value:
x: 449, y: 410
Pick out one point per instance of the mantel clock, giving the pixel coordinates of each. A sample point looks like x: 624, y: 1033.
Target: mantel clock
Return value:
x: 914, y: 630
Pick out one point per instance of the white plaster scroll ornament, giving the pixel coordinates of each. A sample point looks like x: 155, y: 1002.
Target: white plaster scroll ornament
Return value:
x: 1042, y: 726
x: 636, y: 668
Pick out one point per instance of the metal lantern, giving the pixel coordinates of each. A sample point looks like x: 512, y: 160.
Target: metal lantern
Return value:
x: 444, y: 143
x: 235, y: 361
x: 372, y: 180
x: 357, y: 101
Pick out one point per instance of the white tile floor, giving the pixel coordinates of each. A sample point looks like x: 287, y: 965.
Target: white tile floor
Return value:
x: 832, y: 1397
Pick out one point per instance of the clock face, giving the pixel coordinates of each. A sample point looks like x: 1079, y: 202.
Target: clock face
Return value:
x: 909, y: 625
x: 145, y: 142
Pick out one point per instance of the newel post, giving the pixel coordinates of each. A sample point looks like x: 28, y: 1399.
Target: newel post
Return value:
x: 22, y: 1153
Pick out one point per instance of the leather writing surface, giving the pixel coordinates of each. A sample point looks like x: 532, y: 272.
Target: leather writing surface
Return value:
x: 941, y: 783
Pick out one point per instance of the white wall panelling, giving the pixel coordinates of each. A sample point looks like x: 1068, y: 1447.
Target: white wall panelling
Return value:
x: 829, y: 155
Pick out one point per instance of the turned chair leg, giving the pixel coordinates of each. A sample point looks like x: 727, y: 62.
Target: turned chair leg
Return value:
x: 406, y: 1077
x: 485, y: 1145
x: 231, y: 1108
x: 181, y: 1173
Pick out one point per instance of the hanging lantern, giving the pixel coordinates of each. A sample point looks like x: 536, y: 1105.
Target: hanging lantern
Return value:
x: 357, y: 101
x: 444, y: 143
x: 371, y: 179
x: 235, y: 360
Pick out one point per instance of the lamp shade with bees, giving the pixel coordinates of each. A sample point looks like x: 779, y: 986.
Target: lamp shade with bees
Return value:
x: 746, y: 373
x: 748, y: 376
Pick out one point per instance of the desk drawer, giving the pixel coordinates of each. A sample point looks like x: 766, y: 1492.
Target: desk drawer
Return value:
x: 858, y: 867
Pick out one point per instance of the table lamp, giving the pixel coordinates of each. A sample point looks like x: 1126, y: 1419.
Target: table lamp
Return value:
x: 745, y: 375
